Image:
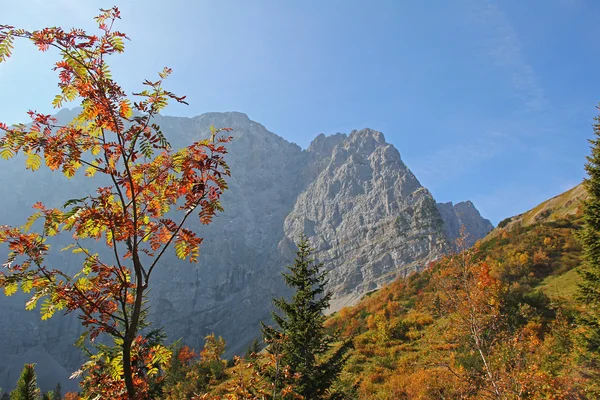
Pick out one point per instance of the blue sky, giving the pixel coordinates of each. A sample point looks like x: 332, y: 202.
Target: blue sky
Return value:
x: 486, y: 100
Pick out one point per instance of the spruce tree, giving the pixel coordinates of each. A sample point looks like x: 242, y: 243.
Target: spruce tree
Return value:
x: 57, y: 392
x: 254, y: 348
x: 26, y: 385
x: 589, y: 288
x: 300, y: 336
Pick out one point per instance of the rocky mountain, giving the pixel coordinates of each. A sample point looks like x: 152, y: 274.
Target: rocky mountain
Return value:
x: 463, y: 214
x: 365, y: 212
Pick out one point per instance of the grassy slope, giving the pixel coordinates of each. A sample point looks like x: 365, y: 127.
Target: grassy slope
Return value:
x: 559, y: 207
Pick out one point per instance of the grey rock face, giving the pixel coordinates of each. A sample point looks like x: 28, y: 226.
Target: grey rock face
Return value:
x: 365, y: 212
x: 463, y: 214
x: 367, y: 216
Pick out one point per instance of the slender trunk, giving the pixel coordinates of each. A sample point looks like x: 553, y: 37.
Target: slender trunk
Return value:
x: 127, y: 372
x: 486, y: 366
x: 132, y: 329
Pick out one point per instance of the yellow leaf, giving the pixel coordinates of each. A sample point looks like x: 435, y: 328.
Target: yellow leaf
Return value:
x: 31, y: 303
x: 68, y: 247
x: 11, y: 288
x: 90, y: 172
x: 126, y: 111
x: 30, y: 221
x: 33, y: 161
x: 6, y: 153
x: 58, y: 100
x: 27, y: 285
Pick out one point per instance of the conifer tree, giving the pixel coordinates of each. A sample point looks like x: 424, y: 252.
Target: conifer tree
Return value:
x: 27, y: 388
x: 254, y: 348
x: 589, y: 288
x: 57, y: 392
x: 303, y: 343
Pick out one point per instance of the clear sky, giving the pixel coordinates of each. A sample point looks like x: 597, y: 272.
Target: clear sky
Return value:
x: 486, y: 100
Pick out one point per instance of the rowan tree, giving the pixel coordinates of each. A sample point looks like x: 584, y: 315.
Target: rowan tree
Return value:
x: 152, y: 192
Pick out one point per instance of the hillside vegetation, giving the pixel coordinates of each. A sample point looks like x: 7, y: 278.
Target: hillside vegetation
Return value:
x: 494, y: 321
x: 499, y: 320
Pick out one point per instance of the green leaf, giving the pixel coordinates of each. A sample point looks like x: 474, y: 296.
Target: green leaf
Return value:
x: 71, y: 212
x: 74, y: 201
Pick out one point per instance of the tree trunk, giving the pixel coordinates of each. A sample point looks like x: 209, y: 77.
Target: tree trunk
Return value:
x: 132, y: 329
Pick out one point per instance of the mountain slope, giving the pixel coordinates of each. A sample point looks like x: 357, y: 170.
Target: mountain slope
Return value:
x: 562, y: 206
x: 368, y: 215
x: 406, y: 345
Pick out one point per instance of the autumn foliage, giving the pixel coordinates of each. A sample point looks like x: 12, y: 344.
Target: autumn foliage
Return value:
x: 152, y: 191
x: 473, y: 325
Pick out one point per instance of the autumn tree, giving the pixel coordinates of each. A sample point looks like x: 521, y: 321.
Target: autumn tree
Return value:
x: 27, y: 388
x: 152, y: 191
x: 190, y: 373
x: 500, y: 338
x: 300, y: 336
x: 467, y: 291
x: 589, y: 288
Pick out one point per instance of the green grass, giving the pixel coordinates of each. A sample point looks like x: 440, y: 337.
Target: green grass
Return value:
x: 564, y: 285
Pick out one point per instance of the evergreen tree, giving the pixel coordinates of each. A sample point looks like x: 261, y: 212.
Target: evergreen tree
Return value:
x: 589, y: 288
x: 302, y: 342
x: 26, y: 385
x: 253, y: 348
x: 5, y: 396
x: 57, y: 392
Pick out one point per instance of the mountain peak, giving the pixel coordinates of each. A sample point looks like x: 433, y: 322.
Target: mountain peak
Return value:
x: 233, y: 117
x: 464, y: 213
x: 367, y: 133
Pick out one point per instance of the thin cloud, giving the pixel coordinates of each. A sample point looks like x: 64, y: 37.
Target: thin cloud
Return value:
x: 506, y: 50
x: 450, y: 162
